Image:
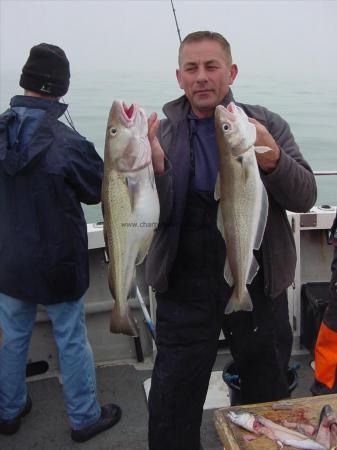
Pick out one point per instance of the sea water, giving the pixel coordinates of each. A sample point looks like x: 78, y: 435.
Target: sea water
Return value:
x: 309, y: 107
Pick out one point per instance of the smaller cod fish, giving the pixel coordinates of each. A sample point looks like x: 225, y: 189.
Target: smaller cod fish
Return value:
x: 281, y: 435
x: 130, y: 206
x: 243, y: 206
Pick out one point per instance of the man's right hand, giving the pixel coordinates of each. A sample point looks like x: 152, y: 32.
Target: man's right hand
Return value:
x: 158, y: 157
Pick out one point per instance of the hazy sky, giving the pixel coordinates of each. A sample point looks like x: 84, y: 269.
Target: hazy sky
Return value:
x: 293, y: 38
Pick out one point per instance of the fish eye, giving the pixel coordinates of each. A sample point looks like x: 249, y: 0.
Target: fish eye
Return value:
x: 113, y: 131
x: 226, y: 127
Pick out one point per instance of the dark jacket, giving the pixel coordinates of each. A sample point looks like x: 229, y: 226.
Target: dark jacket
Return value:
x: 291, y: 186
x: 46, y: 170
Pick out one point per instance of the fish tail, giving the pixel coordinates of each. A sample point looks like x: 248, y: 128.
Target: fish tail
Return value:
x: 236, y: 304
x: 123, y: 323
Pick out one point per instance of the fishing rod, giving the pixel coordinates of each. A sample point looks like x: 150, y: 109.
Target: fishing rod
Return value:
x: 175, y: 18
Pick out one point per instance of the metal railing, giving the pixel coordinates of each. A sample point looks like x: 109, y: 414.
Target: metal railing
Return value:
x: 325, y: 172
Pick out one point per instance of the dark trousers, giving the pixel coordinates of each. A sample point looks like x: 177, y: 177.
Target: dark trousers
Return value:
x: 187, y: 347
x: 260, y: 343
x: 188, y: 332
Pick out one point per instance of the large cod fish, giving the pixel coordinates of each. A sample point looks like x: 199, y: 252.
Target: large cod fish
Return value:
x: 130, y: 206
x: 243, y: 207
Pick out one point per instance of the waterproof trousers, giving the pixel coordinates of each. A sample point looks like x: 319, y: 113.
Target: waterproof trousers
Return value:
x: 326, y: 354
x: 17, y: 319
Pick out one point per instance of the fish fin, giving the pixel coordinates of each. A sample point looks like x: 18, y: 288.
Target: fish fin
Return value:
x: 251, y: 133
x: 143, y: 250
x: 231, y: 303
x: 133, y: 288
x: 228, y: 274
x: 104, y: 230
x: 247, y: 171
x: 263, y: 216
x: 123, y: 324
x: 262, y: 149
x: 246, y: 302
x: 151, y: 176
x: 219, y: 222
x: 140, y: 257
x: 133, y: 189
x: 235, y: 305
x: 217, y: 191
x: 102, y: 203
x: 106, y: 244
x: 245, y: 165
x: 254, y: 267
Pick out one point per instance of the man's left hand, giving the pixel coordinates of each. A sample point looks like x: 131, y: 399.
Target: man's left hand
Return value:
x: 267, y: 160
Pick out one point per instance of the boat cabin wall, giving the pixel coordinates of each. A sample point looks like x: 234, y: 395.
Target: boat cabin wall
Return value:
x: 314, y: 257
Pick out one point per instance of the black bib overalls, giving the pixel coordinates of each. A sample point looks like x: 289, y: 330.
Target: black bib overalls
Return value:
x: 190, y: 315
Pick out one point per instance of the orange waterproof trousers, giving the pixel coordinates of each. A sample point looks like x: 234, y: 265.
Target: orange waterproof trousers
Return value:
x: 326, y: 356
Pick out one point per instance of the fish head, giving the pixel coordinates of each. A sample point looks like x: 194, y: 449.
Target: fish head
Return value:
x: 127, y: 147
x: 243, y: 419
x: 233, y: 129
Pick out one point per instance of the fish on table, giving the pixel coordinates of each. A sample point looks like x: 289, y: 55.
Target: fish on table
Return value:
x: 130, y: 206
x: 279, y: 434
x: 243, y: 206
x: 327, y: 428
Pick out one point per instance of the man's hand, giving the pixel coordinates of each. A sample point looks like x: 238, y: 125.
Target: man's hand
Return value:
x: 267, y: 160
x: 158, y: 158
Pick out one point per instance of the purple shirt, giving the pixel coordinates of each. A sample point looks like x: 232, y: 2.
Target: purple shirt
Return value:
x: 204, y: 153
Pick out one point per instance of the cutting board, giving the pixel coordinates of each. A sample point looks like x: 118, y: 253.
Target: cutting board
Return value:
x: 304, y: 410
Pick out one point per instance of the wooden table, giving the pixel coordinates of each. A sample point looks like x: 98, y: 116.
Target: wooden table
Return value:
x: 304, y: 410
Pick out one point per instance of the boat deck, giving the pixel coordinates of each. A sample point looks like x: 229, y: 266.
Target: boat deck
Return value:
x: 46, y: 427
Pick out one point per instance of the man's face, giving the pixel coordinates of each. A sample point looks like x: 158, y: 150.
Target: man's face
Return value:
x: 205, y: 75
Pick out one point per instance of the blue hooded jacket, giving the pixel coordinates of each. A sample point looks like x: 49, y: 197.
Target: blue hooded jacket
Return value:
x: 46, y: 171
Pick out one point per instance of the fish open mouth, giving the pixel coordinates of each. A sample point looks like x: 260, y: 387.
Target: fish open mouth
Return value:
x: 128, y: 110
x: 126, y: 114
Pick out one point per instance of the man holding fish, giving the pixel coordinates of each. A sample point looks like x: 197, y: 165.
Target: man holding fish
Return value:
x: 223, y: 255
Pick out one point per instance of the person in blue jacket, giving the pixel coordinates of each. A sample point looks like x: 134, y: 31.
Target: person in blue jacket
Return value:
x: 46, y: 170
